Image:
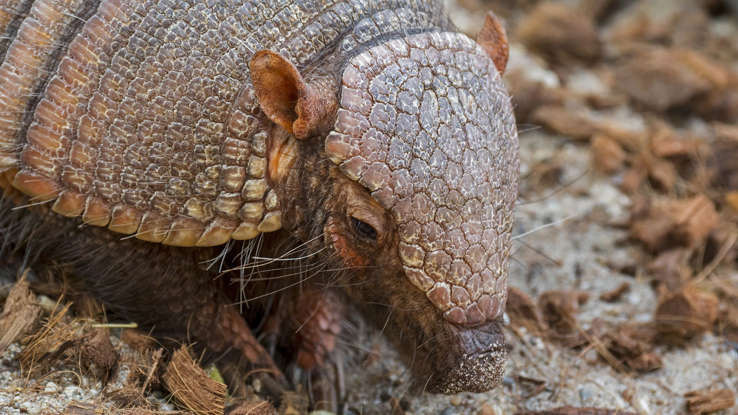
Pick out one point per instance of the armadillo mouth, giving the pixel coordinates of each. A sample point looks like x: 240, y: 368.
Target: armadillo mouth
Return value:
x: 479, y: 364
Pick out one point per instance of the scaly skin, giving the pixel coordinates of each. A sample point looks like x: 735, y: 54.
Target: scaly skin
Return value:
x: 367, y: 136
x: 148, y: 124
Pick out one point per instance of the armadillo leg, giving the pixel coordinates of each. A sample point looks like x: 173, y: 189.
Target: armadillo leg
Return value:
x: 161, y: 288
x: 320, y: 313
x: 313, y: 324
x: 318, y: 317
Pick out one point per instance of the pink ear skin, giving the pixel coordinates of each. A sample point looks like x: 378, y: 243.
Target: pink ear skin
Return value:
x: 493, y: 40
x: 287, y: 99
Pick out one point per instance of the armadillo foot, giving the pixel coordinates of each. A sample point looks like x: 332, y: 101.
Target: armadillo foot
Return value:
x: 318, y: 317
x: 307, y: 323
x: 242, y: 358
x: 325, y: 390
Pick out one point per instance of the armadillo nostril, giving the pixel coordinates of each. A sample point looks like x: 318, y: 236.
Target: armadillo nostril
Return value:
x: 478, y: 357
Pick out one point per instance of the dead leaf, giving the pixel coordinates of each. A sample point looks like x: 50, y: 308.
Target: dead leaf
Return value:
x: 137, y: 340
x: 607, y: 155
x: 632, y: 345
x: 253, y: 407
x: 559, y: 309
x: 670, y: 268
x: 731, y: 198
x: 560, y: 33
x: 570, y: 410
x: 523, y: 312
x: 96, y: 349
x: 654, y: 78
x: 569, y: 122
x: 694, y: 218
x: 20, y: 314
x: 684, y: 314
x: 614, y: 295
x: 669, y: 222
x: 704, y: 402
x: 192, y: 387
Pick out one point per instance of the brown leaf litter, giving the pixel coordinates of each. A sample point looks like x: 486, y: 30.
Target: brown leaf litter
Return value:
x: 632, y: 346
x: 608, y: 155
x: 658, y: 79
x: 705, y: 402
x: 727, y: 322
x: 683, y: 314
x: 253, y: 407
x: 624, y: 347
x: 137, y: 340
x: 682, y: 176
x: 559, y: 309
x: 62, y: 341
x: 615, y: 294
x: 670, y: 269
x: 192, y: 387
x: 665, y: 222
x: 145, y: 369
x: 293, y: 403
x: 524, y: 312
x: 560, y: 33
x: 20, y: 314
x: 570, y: 410
x: 70, y: 341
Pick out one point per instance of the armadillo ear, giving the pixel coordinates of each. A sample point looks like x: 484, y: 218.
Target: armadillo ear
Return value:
x: 493, y: 40
x: 286, y: 98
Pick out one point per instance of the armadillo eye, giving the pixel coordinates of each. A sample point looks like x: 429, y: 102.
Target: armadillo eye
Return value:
x: 364, y: 229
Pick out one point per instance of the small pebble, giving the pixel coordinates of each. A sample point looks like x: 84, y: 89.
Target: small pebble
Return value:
x: 488, y: 409
x: 585, y: 393
x: 30, y: 408
x: 47, y: 304
x: 51, y: 387
x: 640, y: 403
x: 508, y: 381
x: 73, y: 392
x: 455, y: 400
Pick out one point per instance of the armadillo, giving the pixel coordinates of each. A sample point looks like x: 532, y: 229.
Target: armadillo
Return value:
x: 162, y: 149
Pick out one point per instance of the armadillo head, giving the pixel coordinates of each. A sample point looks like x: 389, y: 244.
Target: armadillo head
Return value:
x: 425, y: 142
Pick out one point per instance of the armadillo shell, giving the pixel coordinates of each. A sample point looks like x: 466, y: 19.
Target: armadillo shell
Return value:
x: 140, y: 116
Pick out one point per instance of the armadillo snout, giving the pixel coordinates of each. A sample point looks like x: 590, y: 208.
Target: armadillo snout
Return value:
x: 475, y: 361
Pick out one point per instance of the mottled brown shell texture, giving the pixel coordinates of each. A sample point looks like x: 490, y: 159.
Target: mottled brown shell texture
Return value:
x: 140, y: 116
